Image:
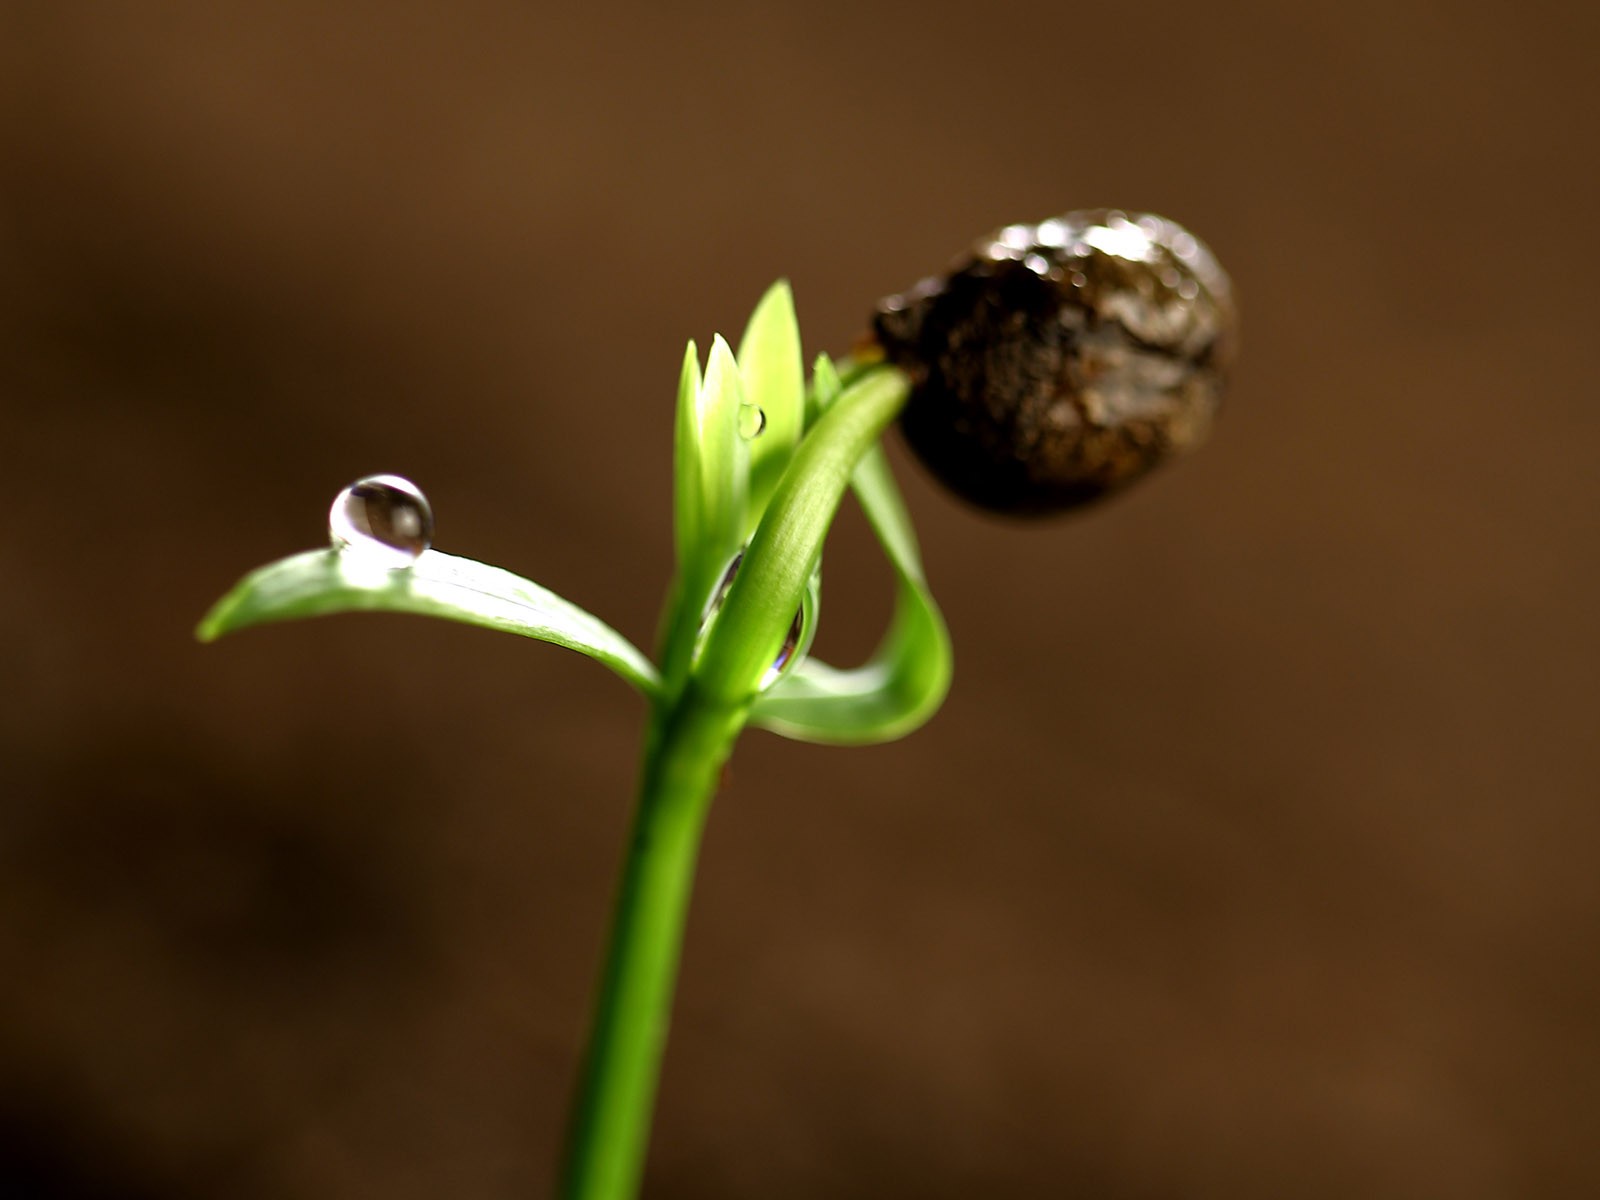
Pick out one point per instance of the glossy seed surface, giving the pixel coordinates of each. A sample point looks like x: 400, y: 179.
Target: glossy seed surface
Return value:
x: 1059, y: 362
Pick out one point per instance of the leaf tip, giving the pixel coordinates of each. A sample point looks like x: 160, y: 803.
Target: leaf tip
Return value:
x: 722, y: 372
x: 780, y: 293
x: 215, y: 623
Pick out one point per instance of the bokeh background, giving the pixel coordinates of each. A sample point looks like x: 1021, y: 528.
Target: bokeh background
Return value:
x: 1254, y: 853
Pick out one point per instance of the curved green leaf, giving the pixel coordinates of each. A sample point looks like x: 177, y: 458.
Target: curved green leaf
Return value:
x: 906, y: 679
x: 787, y: 544
x: 320, y: 582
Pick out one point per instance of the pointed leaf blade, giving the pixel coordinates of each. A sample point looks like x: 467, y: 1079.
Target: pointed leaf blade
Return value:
x: 322, y: 582
x: 825, y: 388
x: 774, y: 380
x: 687, y: 514
x: 724, y: 456
x: 907, y: 677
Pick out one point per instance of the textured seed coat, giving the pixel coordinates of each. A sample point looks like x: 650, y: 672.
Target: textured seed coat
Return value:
x: 1059, y: 362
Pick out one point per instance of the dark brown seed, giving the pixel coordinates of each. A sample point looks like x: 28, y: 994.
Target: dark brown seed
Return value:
x: 1060, y: 362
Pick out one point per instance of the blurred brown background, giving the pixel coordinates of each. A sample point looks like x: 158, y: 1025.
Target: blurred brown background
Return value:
x: 1254, y: 852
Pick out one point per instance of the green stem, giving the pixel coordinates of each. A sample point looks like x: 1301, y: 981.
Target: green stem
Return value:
x: 692, y: 732
x: 690, y: 739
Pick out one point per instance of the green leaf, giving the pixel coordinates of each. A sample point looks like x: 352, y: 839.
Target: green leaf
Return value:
x: 320, y: 582
x: 774, y: 381
x: 905, y: 680
x: 724, y: 456
x: 825, y: 388
x: 787, y: 544
x: 712, y: 470
x: 686, y: 459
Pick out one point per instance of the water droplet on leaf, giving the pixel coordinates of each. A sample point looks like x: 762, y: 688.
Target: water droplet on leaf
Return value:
x: 791, y: 643
x: 383, y: 519
x: 791, y: 640
x: 752, y: 421
x: 721, y: 592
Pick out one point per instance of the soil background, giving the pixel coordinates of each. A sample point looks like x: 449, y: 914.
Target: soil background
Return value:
x: 1254, y: 852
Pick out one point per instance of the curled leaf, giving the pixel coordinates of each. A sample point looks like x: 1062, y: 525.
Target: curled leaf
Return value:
x: 906, y: 679
x: 787, y: 545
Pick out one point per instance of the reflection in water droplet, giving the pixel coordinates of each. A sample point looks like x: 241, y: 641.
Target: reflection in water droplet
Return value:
x: 791, y: 640
x: 752, y: 420
x: 383, y: 519
x: 726, y: 582
x: 791, y: 643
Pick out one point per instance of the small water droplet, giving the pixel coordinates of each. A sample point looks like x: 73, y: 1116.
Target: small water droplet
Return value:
x: 726, y: 582
x: 791, y: 643
x: 384, y: 519
x: 752, y: 421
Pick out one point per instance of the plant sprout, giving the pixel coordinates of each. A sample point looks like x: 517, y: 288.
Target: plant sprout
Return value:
x: 1057, y: 363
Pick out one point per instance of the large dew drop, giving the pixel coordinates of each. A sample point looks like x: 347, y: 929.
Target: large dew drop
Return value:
x: 383, y: 520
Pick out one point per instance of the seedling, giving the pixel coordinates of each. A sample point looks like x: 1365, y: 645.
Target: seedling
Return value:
x: 1054, y: 365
